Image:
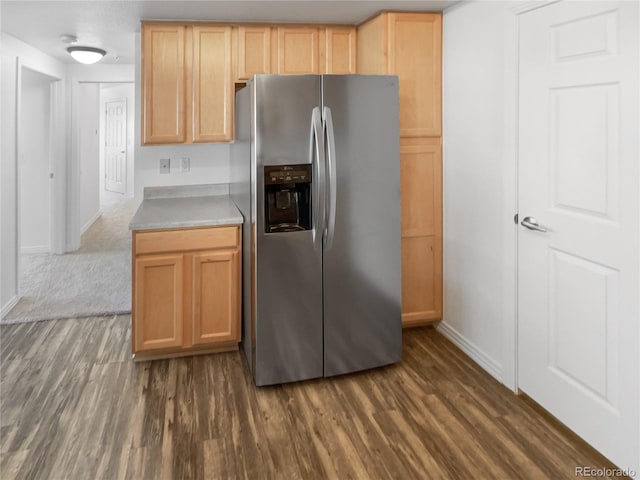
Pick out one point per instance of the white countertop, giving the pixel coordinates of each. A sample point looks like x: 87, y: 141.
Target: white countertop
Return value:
x: 184, y: 207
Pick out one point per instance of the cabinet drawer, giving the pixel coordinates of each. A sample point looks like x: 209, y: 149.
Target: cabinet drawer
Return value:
x: 183, y: 240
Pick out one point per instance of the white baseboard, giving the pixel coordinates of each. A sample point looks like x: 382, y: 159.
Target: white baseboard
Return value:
x: 10, y: 304
x: 91, y: 221
x: 36, y: 249
x: 476, y: 354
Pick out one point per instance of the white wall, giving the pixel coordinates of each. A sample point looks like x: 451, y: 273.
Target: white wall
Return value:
x: 31, y: 57
x: 33, y: 163
x: 209, y: 163
x: 89, y: 153
x: 118, y: 91
x: 479, y: 188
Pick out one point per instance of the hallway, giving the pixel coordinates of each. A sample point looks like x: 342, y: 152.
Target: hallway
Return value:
x: 95, y: 280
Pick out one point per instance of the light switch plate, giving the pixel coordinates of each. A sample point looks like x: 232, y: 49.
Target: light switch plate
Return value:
x: 165, y: 165
x: 186, y: 164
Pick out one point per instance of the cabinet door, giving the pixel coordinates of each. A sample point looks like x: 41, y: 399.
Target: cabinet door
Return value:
x: 212, y: 91
x: 297, y: 50
x: 415, y: 55
x: 158, y: 302
x: 254, y: 51
x: 340, y: 50
x: 163, y: 84
x: 421, y: 220
x: 215, y: 297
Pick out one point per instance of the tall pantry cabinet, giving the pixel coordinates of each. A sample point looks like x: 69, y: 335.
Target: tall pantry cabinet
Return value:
x: 409, y: 45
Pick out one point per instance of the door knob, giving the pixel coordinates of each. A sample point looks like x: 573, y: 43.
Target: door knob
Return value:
x: 532, y: 224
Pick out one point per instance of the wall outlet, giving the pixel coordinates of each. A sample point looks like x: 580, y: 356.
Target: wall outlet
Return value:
x: 186, y: 164
x: 165, y: 165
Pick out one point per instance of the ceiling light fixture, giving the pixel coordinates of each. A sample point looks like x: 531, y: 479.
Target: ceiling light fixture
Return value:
x: 86, y: 55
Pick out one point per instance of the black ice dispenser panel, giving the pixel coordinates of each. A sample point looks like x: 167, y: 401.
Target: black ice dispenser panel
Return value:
x: 287, y: 191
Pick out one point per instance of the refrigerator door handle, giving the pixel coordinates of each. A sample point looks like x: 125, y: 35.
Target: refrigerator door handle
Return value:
x: 331, y: 174
x: 317, y: 160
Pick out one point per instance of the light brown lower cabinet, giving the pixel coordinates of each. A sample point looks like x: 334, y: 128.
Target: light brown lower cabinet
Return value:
x: 215, y: 296
x: 421, y: 200
x: 186, y: 292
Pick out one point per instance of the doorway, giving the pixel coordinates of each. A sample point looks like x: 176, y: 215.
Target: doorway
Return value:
x: 116, y: 142
x: 34, y: 162
x: 95, y: 278
x: 35, y: 214
x: 105, y: 148
x: 117, y: 103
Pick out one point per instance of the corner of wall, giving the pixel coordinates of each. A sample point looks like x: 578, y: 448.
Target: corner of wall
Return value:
x: 472, y: 350
x: 478, y: 189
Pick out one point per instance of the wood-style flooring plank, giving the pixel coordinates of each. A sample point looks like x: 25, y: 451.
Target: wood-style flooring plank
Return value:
x: 75, y: 406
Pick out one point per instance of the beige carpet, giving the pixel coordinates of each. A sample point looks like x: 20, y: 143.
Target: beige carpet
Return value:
x: 94, y: 280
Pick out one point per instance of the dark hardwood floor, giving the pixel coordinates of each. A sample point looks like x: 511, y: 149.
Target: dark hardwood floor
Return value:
x: 74, y: 406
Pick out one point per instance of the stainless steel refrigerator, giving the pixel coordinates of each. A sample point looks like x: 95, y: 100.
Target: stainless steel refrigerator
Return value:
x: 316, y: 174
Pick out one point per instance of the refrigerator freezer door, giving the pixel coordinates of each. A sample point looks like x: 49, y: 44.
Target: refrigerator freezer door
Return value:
x: 288, y: 288
x: 362, y: 279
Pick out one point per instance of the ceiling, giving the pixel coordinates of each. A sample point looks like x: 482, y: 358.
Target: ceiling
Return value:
x: 111, y: 25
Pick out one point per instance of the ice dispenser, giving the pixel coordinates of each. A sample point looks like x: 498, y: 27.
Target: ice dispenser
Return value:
x: 287, y: 190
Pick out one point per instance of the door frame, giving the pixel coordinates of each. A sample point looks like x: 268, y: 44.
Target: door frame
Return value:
x: 510, y: 209
x: 56, y: 160
x: 55, y: 164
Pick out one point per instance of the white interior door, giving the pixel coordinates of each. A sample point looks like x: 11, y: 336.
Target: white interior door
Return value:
x: 578, y: 177
x: 116, y: 146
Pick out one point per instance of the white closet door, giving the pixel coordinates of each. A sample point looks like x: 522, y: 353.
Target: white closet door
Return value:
x: 578, y: 178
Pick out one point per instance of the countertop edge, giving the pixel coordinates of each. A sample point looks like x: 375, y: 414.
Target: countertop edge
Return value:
x: 184, y: 225
x: 186, y: 212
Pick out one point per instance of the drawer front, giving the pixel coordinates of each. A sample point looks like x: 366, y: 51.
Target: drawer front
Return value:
x: 184, y: 240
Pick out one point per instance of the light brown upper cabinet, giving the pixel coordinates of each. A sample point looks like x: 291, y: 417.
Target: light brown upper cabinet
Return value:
x: 339, y: 50
x: 415, y: 46
x: 409, y: 45
x: 254, y: 51
x: 297, y: 51
x: 163, y: 83
x: 212, y: 96
x: 187, y: 90
x: 189, y: 70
